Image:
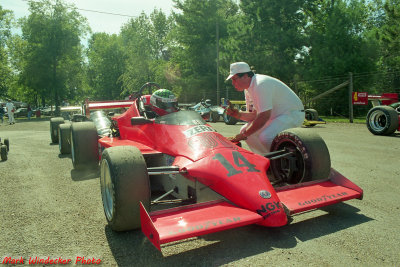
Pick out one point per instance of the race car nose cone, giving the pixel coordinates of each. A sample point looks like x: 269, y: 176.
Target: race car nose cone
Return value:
x: 264, y: 194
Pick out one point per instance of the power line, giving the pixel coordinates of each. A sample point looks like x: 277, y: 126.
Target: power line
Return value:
x: 96, y: 11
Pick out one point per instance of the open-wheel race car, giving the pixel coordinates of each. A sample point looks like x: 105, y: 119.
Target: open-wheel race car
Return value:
x: 208, y: 111
x: 149, y: 163
x: 384, y: 117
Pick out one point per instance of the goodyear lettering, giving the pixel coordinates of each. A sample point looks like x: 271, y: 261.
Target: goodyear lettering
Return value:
x: 205, y: 226
x: 197, y: 130
x: 323, y: 198
x: 268, y: 209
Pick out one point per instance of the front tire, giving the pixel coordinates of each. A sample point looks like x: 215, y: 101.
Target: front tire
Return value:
x: 382, y: 120
x: 124, y: 182
x: 309, y: 161
x: 311, y: 115
x: 84, y: 147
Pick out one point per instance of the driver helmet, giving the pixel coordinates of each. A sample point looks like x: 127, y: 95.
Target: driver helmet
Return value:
x: 208, y: 102
x: 165, y: 100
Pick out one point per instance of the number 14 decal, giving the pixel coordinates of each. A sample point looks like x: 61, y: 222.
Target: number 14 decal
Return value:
x: 240, y: 161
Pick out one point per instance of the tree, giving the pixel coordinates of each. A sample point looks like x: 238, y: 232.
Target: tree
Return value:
x: 53, y: 55
x: 337, y: 45
x: 194, y: 54
x: 389, y: 39
x: 145, y: 42
x: 5, y: 70
x: 107, y: 60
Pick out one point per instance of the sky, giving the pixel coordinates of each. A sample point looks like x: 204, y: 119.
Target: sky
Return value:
x: 100, y: 22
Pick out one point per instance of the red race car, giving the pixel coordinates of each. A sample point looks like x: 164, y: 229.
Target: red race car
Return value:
x: 211, y: 183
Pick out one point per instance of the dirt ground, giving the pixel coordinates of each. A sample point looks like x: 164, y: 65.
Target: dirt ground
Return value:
x: 50, y: 211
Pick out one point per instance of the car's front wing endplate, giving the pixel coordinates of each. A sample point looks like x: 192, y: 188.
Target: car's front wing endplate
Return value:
x: 193, y: 220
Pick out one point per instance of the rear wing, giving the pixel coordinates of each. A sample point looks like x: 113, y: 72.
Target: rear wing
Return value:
x: 383, y: 99
x: 101, y: 105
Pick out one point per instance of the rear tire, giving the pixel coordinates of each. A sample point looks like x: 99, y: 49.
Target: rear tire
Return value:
x: 311, y: 115
x: 124, y: 182
x: 214, y: 116
x: 7, y: 143
x: 382, y: 120
x: 54, y: 123
x: 3, y: 152
x: 64, y: 136
x: 84, y: 145
x: 310, y: 160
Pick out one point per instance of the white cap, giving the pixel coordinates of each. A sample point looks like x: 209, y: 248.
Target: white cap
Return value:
x: 238, y: 67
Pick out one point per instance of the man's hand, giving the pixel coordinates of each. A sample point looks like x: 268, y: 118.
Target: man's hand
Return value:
x: 237, y: 138
x: 232, y: 111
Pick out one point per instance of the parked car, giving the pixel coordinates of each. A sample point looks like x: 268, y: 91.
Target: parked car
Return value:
x: 21, y: 112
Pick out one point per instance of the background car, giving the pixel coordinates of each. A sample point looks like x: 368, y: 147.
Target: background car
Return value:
x: 21, y: 112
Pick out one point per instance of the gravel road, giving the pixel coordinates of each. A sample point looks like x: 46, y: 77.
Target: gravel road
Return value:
x: 51, y: 212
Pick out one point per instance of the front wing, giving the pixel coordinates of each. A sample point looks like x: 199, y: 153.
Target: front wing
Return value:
x: 174, y: 224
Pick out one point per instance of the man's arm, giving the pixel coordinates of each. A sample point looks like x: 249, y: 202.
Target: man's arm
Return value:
x: 260, y: 120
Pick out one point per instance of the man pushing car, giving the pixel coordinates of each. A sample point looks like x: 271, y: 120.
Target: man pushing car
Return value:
x: 271, y: 107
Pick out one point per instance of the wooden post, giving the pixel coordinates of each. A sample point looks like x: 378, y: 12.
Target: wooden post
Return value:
x: 351, y: 97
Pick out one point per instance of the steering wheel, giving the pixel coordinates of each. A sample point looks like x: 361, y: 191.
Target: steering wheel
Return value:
x: 137, y: 95
x: 148, y: 85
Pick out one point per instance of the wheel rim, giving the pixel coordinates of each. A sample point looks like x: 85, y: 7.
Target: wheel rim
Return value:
x: 377, y: 121
x: 107, y: 191
x: 290, y: 169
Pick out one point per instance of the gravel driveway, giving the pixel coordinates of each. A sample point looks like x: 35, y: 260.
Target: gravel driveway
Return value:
x: 49, y: 211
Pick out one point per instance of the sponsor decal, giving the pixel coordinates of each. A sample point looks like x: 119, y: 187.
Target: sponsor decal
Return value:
x: 323, y: 198
x: 268, y: 209
x: 204, y: 226
x: 198, y: 130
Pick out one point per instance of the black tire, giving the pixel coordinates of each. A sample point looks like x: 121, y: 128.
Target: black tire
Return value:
x: 311, y: 115
x: 310, y: 160
x: 214, y: 116
x: 124, y: 182
x: 382, y: 120
x: 228, y: 119
x: 7, y: 143
x: 3, y: 152
x: 64, y: 138
x: 54, y: 123
x: 84, y: 147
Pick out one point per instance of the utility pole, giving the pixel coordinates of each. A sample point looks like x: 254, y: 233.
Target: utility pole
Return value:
x: 217, y: 33
x: 351, y: 97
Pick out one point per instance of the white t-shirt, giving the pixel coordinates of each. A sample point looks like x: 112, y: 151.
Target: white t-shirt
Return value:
x: 267, y: 93
x: 9, y: 106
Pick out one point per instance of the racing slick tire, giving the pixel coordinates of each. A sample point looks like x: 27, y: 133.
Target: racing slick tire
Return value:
x: 382, y: 120
x: 64, y: 138
x: 309, y: 160
x: 228, y: 119
x: 311, y: 115
x: 84, y: 147
x: 124, y: 183
x: 54, y: 123
x: 214, y: 116
x: 7, y: 143
x: 3, y: 152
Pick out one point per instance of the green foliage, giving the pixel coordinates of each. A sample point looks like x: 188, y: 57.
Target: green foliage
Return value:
x: 53, y: 54
x: 106, y: 64
x: 5, y: 70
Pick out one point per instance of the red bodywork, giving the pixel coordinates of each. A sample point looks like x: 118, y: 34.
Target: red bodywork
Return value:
x: 205, y: 156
